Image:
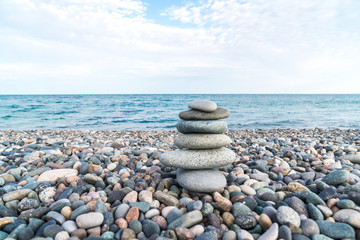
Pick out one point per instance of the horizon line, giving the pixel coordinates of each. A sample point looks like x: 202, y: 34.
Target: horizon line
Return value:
x: 47, y: 94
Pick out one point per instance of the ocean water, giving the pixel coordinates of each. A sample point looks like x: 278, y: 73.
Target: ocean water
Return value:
x: 160, y: 112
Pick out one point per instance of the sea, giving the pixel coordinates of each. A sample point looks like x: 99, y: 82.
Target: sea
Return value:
x: 160, y: 111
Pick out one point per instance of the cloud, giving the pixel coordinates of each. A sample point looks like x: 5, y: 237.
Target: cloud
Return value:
x: 233, y: 46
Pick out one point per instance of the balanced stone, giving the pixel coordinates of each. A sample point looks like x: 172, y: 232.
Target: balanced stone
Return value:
x: 204, y: 180
x: 198, y: 159
x: 213, y: 127
x: 201, y: 141
x: 219, y: 113
x: 203, y: 105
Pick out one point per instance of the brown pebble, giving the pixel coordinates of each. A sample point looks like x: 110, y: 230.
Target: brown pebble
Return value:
x: 332, y: 202
x: 94, y: 232
x: 80, y: 233
x: 213, y: 220
x: 237, y: 198
x: 66, y: 212
x: 4, y: 222
x: 334, y: 209
x: 121, y: 223
x: 132, y: 214
x: 72, y: 179
x: 197, y: 229
x: 228, y: 219
x: 265, y: 222
x: 128, y: 234
x: 161, y: 221
x: 222, y: 203
x: 184, y: 233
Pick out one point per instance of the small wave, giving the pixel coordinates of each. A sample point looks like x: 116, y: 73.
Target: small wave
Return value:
x: 119, y: 121
x: 131, y: 111
x: 65, y: 112
x: 7, y: 117
x: 14, y: 106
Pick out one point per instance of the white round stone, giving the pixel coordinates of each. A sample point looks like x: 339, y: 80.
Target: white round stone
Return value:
x: 203, y: 105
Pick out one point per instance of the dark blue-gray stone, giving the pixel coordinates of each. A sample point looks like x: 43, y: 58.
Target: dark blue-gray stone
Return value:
x: 240, y: 209
x: 25, y: 233
x: 36, y: 213
x: 196, y: 205
x: 314, y: 199
x: 173, y: 215
x: 52, y: 230
x: 80, y: 210
x: 345, y: 204
x: 150, y: 228
x: 335, y: 178
x: 314, y: 212
x: 10, y: 227
x: 35, y: 223
x: 100, y: 207
x: 335, y: 229
x: 206, y: 236
x: 328, y: 193
x: 16, y: 231
x: 40, y: 231
x: 136, y: 226
x: 284, y: 232
x: 58, y: 205
x: 142, y: 206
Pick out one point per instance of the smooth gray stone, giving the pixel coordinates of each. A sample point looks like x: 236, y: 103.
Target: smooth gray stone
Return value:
x: 271, y: 234
x: 198, y: 159
x: 215, y: 127
x: 219, y: 113
x: 201, y: 141
x: 348, y: 216
x: 187, y: 220
x: 309, y: 227
x: 287, y: 215
x: 354, y: 158
x: 203, y: 105
x: 204, y: 180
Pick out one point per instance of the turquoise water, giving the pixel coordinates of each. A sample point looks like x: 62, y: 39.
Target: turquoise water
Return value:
x: 158, y: 112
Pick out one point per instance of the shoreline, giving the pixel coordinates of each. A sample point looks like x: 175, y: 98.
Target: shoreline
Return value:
x: 303, y: 176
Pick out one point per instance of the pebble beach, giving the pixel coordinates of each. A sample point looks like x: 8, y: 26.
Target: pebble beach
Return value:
x: 283, y: 184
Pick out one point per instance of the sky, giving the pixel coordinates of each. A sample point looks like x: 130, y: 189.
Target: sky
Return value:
x: 178, y: 46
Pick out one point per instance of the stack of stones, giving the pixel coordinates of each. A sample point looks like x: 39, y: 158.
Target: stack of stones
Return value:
x: 202, y: 147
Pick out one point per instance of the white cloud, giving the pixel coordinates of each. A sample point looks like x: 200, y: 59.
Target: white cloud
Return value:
x: 221, y: 46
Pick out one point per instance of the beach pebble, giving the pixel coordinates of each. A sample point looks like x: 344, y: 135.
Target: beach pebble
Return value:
x: 198, y: 159
x: 209, y: 127
x: 52, y: 175
x: 201, y: 141
x: 89, y: 220
x: 287, y: 215
x: 204, y: 180
x: 219, y: 113
x: 203, y: 105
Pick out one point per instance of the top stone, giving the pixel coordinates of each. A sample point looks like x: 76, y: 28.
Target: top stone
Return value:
x: 203, y: 105
x: 219, y: 113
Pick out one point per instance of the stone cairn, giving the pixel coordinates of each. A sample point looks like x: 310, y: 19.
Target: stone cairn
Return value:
x: 202, y: 142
